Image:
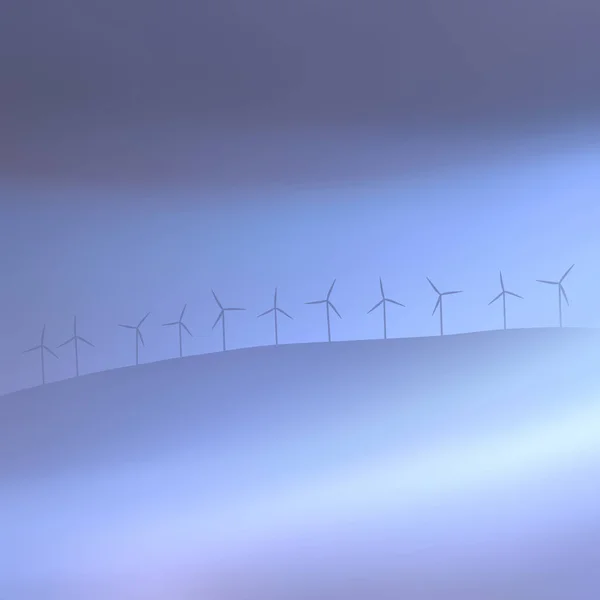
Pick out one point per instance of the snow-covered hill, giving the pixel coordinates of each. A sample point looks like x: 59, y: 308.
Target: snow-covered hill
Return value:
x: 464, y: 467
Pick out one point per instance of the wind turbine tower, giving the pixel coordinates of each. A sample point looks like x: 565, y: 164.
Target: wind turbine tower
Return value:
x: 382, y: 303
x: 328, y: 305
x: 42, y: 348
x: 503, y: 295
x: 181, y: 326
x: 138, y: 337
x: 75, y: 339
x: 561, y: 292
x: 275, y: 310
x: 440, y: 303
x: 221, y: 317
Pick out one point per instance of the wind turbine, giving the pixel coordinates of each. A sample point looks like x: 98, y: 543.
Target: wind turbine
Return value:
x: 329, y: 305
x: 75, y: 339
x: 138, y: 337
x: 561, y: 292
x: 181, y: 325
x: 382, y: 302
x: 41, y: 347
x: 275, y: 310
x: 221, y: 317
x: 440, y: 303
x: 503, y: 295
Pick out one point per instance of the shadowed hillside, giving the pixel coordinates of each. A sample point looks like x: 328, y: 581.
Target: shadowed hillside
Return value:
x: 133, y: 411
x: 239, y: 457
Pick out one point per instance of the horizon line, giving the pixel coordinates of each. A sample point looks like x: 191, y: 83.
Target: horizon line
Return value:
x: 326, y: 343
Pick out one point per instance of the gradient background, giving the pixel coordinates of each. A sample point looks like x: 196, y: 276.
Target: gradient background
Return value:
x: 151, y: 151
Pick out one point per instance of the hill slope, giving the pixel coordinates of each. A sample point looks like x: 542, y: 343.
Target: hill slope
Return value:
x: 308, y: 463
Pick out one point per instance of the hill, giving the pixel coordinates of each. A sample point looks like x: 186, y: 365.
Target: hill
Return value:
x: 425, y: 467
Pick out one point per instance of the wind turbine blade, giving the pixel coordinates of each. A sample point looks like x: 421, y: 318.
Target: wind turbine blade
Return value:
x: 67, y: 342
x: 185, y: 327
x: 501, y: 281
x: 146, y: 316
x: 566, y: 273
x: 139, y: 333
x: 330, y: 289
x: 284, y: 313
x: 234, y: 309
x: 335, y: 309
x: 182, y: 312
x: 43, y: 335
x: 436, y: 304
x: 381, y: 288
x: 218, y: 319
x: 275, y: 298
x: 316, y: 302
x: 85, y: 341
x: 562, y: 289
x: 127, y: 326
x: 169, y: 324
x: 496, y: 298
x: 265, y: 313
x: 50, y: 351
x: 376, y: 306
x: 433, y: 286
x: 395, y: 302
x: 449, y: 293
x: 548, y: 282
x: 217, y: 300
x: 515, y: 295
x: 31, y: 349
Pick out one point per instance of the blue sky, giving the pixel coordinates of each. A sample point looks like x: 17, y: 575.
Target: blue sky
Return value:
x: 526, y: 204
x: 150, y: 155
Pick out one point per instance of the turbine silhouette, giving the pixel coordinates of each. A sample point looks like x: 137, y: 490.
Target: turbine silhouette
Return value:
x: 440, y: 303
x: 329, y: 305
x: 275, y: 310
x: 42, y: 347
x: 503, y: 295
x: 561, y: 292
x: 382, y: 302
x: 75, y: 339
x: 181, y: 325
x: 221, y: 317
x: 138, y: 337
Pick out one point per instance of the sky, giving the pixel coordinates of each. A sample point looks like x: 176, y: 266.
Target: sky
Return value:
x: 149, y: 157
x: 309, y: 61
